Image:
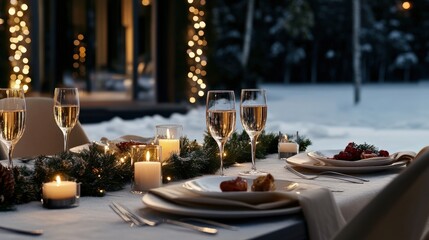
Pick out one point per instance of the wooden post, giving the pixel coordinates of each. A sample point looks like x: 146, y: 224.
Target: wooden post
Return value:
x: 36, y: 51
x: 136, y: 8
x: 163, y: 53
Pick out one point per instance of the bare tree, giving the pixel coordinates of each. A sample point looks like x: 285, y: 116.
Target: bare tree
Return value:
x: 357, y: 78
x: 247, y: 35
x: 248, y: 32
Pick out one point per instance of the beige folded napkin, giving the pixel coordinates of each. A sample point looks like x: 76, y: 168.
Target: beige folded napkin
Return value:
x: 322, y: 214
x: 406, y: 156
x: 231, y: 200
x: 320, y: 210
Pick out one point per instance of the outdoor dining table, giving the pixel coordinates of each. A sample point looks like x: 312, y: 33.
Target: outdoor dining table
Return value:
x: 93, y: 219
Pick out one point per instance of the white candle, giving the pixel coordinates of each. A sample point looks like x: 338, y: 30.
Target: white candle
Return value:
x: 169, y: 147
x: 58, y: 189
x: 290, y: 147
x: 147, y: 174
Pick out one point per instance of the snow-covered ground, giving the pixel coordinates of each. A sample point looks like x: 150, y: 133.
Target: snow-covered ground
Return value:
x: 394, y: 117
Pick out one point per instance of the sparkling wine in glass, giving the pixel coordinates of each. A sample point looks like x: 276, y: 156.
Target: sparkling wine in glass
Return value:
x: 12, y: 118
x: 253, y: 113
x: 220, y: 118
x: 66, y: 110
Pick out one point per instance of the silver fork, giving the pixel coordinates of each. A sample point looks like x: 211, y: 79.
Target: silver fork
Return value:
x: 329, y: 174
x: 132, y: 218
x: 136, y: 220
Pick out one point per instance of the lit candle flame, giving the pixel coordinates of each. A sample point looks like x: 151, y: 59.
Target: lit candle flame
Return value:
x: 168, y: 133
x: 58, y: 179
x: 285, y: 137
x: 148, y: 156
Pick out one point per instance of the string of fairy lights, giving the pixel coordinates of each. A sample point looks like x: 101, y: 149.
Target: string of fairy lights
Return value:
x: 197, y: 60
x: 20, y: 41
x: 19, y: 45
x: 79, y: 57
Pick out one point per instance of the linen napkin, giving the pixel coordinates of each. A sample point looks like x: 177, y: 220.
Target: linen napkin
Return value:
x: 230, y: 200
x: 322, y: 214
x: 406, y: 156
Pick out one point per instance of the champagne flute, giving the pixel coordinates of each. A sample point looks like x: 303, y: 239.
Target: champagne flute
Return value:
x: 253, y: 113
x: 12, y: 118
x: 220, y: 118
x: 66, y: 110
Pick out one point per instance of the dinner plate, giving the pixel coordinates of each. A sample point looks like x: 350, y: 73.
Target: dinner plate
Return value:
x: 209, y: 186
x: 106, y: 142
x: 304, y: 161
x: 157, y: 203
x: 327, y: 156
x: 80, y: 148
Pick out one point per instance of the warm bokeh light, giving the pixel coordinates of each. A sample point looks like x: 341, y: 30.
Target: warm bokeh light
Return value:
x: 145, y: 3
x: 79, y: 57
x: 197, y: 59
x: 406, y: 5
x: 19, y: 47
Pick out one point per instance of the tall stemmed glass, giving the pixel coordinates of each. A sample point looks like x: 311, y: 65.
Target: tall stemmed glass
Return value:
x: 66, y: 110
x: 12, y: 118
x: 253, y: 113
x: 220, y: 118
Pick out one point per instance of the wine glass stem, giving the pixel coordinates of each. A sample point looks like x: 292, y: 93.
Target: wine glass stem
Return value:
x: 221, y: 146
x: 9, y: 156
x: 253, y: 150
x: 65, y: 133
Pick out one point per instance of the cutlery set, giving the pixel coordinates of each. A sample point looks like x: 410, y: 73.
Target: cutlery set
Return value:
x: 135, y: 220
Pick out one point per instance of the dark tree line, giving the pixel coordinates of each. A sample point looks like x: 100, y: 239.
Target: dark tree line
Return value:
x: 310, y: 41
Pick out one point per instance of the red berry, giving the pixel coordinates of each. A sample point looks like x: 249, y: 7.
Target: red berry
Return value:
x: 383, y: 153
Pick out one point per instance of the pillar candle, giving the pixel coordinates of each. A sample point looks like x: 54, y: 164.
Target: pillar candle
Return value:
x: 147, y: 174
x: 168, y: 147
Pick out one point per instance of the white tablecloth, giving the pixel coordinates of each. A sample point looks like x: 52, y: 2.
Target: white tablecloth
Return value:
x: 94, y: 220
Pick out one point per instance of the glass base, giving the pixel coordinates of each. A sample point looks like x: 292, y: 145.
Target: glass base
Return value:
x: 60, y: 203
x: 254, y: 173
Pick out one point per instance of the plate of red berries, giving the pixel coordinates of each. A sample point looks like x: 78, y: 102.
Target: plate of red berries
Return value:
x: 353, y: 154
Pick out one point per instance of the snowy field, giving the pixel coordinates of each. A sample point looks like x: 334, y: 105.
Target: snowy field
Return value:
x: 394, y: 117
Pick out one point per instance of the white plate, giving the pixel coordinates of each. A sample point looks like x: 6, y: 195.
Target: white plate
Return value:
x: 209, y: 186
x: 80, y: 148
x: 304, y: 161
x: 154, y: 202
x: 327, y: 156
x: 101, y: 144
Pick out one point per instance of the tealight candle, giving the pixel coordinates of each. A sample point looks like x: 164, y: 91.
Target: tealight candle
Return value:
x: 60, y: 194
x: 287, y: 149
x: 168, y: 137
x: 147, y: 174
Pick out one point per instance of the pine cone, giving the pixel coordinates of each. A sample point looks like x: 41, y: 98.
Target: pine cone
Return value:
x: 7, y: 185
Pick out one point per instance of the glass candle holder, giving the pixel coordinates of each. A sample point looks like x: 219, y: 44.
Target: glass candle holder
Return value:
x: 60, y: 194
x: 136, y: 152
x: 287, y: 148
x: 168, y: 137
x: 146, y: 168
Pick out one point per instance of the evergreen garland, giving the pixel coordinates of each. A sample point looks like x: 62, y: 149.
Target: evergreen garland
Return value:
x: 99, y: 171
